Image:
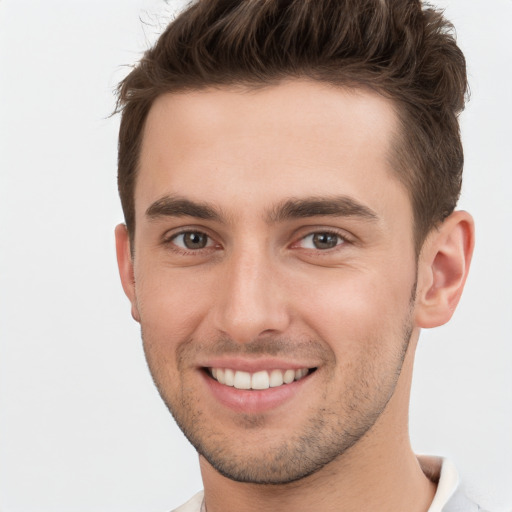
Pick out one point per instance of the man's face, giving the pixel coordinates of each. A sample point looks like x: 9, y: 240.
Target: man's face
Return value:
x: 273, y: 250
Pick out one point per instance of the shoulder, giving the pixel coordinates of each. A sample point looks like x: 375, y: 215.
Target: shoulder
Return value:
x: 192, y: 505
x: 459, y: 502
x: 450, y: 496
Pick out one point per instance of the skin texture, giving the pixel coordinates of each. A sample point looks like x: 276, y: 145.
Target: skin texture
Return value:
x: 235, y: 190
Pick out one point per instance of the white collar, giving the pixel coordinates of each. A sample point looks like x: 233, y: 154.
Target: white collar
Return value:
x: 447, y: 483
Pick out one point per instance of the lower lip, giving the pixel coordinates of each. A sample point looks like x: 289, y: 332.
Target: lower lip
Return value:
x: 254, y: 401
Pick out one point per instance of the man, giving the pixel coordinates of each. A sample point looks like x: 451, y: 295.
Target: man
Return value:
x: 289, y: 172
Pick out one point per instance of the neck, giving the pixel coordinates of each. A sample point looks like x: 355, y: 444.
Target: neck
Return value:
x: 379, y: 474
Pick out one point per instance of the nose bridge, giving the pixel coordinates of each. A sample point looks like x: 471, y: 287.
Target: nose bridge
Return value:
x: 251, y: 301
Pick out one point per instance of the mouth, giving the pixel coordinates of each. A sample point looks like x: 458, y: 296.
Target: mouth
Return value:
x: 260, y: 380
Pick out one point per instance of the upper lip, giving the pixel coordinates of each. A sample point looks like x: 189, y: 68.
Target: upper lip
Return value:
x: 256, y: 364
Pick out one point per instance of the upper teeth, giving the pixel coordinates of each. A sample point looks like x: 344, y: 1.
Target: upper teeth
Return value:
x: 260, y: 380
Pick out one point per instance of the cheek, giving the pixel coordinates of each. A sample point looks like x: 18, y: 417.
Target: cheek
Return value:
x: 171, y: 307
x: 171, y: 304
x: 352, y: 309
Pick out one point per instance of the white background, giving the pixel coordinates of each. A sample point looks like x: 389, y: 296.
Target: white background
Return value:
x: 81, y: 426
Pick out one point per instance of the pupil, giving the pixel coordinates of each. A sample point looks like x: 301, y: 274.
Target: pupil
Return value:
x: 194, y: 240
x: 325, y: 240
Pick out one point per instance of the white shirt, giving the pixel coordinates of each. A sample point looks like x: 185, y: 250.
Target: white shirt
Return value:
x: 446, y: 486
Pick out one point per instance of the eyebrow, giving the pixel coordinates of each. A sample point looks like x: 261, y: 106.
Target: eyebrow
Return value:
x: 337, y: 206
x: 294, y: 208
x: 171, y: 206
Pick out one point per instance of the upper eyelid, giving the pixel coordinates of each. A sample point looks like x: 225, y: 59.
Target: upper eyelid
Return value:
x: 176, y: 235
x: 343, y: 240
x: 173, y: 233
x: 306, y: 231
x: 326, y: 232
x: 168, y: 240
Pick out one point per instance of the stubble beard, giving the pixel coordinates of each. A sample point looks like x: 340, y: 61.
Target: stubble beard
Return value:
x: 328, y: 433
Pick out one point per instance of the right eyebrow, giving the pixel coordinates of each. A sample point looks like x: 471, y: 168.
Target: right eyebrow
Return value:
x: 172, y: 206
x: 333, y: 206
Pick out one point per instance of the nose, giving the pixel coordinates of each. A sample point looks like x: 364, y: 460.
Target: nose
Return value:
x: 252, y: 300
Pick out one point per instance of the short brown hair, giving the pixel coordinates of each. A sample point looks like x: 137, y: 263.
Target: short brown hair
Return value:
x: 402, y: 49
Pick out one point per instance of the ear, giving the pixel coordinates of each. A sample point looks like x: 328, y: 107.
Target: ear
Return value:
x: 125, y: 264
x: 443, y: 267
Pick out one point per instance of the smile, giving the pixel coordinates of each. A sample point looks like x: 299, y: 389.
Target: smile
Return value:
x: 259, y: 380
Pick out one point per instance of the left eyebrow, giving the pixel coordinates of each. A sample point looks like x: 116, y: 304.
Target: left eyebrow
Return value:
x: 172, y: 206
x: 338, y: 206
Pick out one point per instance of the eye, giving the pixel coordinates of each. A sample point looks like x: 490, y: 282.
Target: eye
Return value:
x: 192, y: 240
x: 321, y: 241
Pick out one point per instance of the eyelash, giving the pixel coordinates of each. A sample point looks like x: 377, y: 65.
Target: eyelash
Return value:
x: 170, y: 242
x: 341, y: 240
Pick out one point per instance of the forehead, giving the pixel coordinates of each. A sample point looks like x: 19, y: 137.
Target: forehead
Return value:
x: 291, y: 139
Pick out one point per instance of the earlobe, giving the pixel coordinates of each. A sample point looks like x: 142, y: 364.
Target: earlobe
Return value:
x: 443, y: 268
x: 125, y: 265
